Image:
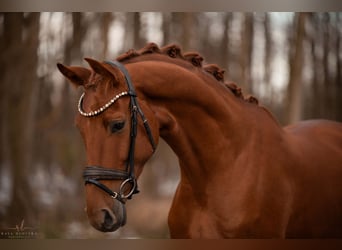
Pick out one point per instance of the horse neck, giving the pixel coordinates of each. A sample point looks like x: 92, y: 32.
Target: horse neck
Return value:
x: 201, y: 119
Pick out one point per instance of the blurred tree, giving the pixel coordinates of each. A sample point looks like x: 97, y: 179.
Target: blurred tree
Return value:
x: 338, y: 60
x: 138, y: 39
x: 296, y: 62
x: 132, y: 27
x: 105, y: 21
x: 268, y: 54
x: 188, y: 24
x: 224, y: 55
x: 246, y: 52
x: 19, y: 81
x: 323, y: 98
x: 166, y: 27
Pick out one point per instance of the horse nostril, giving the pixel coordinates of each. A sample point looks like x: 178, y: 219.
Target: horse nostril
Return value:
x: 108, y: 221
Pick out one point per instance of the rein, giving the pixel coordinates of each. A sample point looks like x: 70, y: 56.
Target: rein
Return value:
x: 93, y: 174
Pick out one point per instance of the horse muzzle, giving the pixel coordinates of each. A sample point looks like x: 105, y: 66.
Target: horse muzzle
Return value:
x: 108, y: 219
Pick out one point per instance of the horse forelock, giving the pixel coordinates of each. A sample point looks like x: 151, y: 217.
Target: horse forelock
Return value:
x: 175, y: 51
x: 93, y: 82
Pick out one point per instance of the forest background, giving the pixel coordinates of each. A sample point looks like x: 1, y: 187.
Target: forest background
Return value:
x: 290, y: 61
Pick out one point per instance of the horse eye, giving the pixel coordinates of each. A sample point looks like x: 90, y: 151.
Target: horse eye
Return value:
x: 116, y: 126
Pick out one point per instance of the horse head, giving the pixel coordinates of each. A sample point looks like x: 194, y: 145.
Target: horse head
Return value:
x: 120, y: 134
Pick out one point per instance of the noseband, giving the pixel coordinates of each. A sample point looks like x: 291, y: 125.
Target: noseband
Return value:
x: 93, y: 174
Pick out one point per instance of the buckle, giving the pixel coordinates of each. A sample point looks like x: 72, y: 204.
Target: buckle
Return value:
x: 132, y: 191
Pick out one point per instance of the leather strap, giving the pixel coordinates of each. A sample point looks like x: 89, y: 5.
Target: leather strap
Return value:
x: 134, y: 103
x: 113, y: 194
x: 99, y: 173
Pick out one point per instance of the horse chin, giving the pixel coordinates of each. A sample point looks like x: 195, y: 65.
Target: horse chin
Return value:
x: 123, y: 215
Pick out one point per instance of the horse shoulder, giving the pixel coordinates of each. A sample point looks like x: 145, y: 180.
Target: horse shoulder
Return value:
x: 317, y: 189
x: 317, y: 150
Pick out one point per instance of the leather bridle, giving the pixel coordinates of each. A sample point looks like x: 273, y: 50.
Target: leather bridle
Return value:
x: 94, y: 174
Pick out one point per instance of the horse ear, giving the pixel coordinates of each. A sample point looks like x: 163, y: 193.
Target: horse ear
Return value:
x: 103, y: 69
x: 76, y: 75
x: 98, y: 67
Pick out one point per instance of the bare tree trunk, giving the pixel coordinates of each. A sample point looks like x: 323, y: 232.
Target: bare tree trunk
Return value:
x: 187, y: 22
x: 316, y: 102
x: 132, y: 38
x: 246, y: 52
x: 296, y: 59
x: 338, y: 79
x: 268, y: 54
x: 224, y: 46
x: 21, y: 84
x: 139, y: 41
x: 327, y: 79
x: 3, y: 96
x: 166, y: 28
x: 204, y: 37
x: 106, y: 20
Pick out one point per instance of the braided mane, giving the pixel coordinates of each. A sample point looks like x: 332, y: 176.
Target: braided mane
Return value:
x: 174, y: 51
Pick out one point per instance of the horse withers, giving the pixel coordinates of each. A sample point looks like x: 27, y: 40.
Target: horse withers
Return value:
x: 242, y: 174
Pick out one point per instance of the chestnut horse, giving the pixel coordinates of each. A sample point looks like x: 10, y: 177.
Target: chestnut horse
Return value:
x: 242, y: 174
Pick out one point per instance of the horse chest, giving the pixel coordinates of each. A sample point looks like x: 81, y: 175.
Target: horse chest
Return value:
x: 190, y: 219
x: 228, y: 216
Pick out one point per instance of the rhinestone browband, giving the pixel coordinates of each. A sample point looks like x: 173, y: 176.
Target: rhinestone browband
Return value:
x: 103, y: 108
